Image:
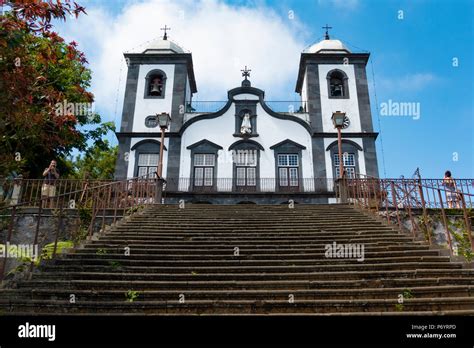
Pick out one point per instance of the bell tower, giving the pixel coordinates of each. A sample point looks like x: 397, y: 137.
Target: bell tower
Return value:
x: 159, y: 79
x: 331, y: 78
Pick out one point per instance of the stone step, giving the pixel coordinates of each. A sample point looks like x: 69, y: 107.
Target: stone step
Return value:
x: 263, y: 262
x: 241, y: 306
x: 243, y: 294
x: 243, y: 269
x: 243, y: 284
x: 342, y: 274
x: 166, y: 254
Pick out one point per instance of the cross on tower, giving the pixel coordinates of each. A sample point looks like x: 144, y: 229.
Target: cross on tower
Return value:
x: 246, y: 72
x: 165, y: 37
x: 326, y: 37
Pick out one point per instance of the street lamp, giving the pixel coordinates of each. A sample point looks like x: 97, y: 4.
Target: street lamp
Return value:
x: 163, y: 121
x: 338, y: 119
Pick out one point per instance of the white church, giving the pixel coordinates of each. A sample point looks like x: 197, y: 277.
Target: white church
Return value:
x: 247, y: 149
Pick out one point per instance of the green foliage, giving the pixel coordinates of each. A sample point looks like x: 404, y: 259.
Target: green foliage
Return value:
x: 461, y: 238
x: 97, y: 163
x: 39, y: 72
x: 131, y: 295
x: 46, y: 254
x: 101, y: 251
x: 407, y: 294
x: 399, y: 307
x: 115, y: 265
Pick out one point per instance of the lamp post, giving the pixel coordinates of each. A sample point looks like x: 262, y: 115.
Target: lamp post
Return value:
x: 338, y: 121
x: 163, y: 121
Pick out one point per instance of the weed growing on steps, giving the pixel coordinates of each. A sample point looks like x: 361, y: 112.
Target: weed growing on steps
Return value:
x: 460, y: 235
x: 131, y: 295
x: 115, y: 264
x: 101, y: 251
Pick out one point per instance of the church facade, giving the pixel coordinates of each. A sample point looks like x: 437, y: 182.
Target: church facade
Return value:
x: 242, y: 150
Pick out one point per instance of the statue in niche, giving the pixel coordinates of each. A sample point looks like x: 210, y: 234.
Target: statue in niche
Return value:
x: 246, y: 127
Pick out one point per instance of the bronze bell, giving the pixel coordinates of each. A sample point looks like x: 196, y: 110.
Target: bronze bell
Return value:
x: 155, y: 87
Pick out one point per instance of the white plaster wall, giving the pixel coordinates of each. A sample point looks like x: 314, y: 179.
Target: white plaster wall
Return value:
x: 131, y: 157
x: 146, y: 107
x: 271, y: 131
x: 360, y: 154
x: 246, y: 96
x: 349, y: 106
x: 304, y: 92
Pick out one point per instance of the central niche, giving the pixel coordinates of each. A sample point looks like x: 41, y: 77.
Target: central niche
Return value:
x: 246, y: 120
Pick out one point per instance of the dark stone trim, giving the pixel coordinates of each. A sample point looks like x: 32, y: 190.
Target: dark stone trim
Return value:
x: 202, y: 143
x: 130, y: 98
x: 165, y: 58
x: 144, y: 141
x: 288, y: 142
x: 146, y: 134
x: 240, y: 143
x: 204, y: 147
x: 363, y: 98
x: 121, y: 164
x: 147, y: 78
x: 345, y: 84
x: 314, y: 58
x: 288, y: 147
x: 345, y: 141
x: 319, y: 157
x: 345, y: 135
x: 247, y: 90
x: 370, y: 156
x: 239, y: 135
x: 346, y: 147
x: 174, y: 159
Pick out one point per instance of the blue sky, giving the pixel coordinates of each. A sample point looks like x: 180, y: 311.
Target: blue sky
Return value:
x: 412, y: 59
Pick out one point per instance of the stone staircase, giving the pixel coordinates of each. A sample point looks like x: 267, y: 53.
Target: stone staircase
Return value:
x: 246, y: 259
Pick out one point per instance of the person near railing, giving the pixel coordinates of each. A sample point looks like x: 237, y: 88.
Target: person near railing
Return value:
x: 452, y: 193
x: 48, y: 190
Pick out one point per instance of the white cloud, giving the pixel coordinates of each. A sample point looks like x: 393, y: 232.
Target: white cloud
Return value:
x: 222, y: 39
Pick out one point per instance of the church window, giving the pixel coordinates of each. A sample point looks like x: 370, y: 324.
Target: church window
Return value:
x: 288, y: 169
x: 348, y: 160
x: 204, y: 164
x: 147, y: 164
x: 155, y: 84
x: 338, y: 84
x: 246, y: 167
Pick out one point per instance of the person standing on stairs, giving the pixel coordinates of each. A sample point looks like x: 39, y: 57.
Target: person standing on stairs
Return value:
x: 451, y: 190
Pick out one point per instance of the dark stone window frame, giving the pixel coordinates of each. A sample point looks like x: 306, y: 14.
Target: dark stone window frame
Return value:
x: 345, y: 84
x: 147, y: 146
x: 246, y: 145
x: 242, y: 108
x: 288, y: 147
x: 204, y: 147
x: 147, y: 84
x: 149, y: 118
x: 348, y: 146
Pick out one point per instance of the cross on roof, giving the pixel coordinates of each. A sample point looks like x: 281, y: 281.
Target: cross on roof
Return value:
x: 246, y: 72
x: 165, y: 37
x: 326, y: 37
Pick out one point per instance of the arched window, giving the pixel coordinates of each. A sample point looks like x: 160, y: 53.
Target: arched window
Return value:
x: 155, y: 84
x: 337, y: 84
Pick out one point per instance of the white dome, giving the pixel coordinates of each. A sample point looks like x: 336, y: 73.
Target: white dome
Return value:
x: 328, y: 46
x: 163, y: 46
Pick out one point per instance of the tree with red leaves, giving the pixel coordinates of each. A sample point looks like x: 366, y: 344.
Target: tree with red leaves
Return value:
x: 43, y: 80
